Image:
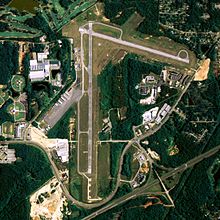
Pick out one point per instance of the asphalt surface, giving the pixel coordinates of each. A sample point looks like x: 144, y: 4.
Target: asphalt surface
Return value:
x: 56, y: 112
x: 90, y: 107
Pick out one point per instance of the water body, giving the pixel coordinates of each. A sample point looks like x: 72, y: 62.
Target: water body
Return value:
x: 27, y: 5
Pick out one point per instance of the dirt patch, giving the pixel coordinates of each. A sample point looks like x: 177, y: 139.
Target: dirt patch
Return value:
x: 202, y: 73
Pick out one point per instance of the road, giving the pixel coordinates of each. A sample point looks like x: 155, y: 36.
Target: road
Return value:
x: 144, y: 189
x: 133, y: 45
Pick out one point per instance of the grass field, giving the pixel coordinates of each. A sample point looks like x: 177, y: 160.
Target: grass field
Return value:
x: 18, y: 83
x: 107, y: 30
x: 4, y: 96
x: 83, y: 106
x: 8, y: 129
x: 17, y: 110
x: 86, y: 49
x: 83, y: 153
x: 103, y: 175
x: 86, y: 81
x: 75, y: 179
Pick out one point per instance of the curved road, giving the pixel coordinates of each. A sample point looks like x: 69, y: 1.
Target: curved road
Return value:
x: 143, y: 190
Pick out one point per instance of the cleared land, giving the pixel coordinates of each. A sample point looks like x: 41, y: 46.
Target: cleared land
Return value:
x: 84, y: 112
x: 83, y: 152
x: 202, y: 73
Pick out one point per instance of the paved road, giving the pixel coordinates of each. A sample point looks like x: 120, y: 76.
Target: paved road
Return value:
x: 133, y: 45
x: 143, y: 190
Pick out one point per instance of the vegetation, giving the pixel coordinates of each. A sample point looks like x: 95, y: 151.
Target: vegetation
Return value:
x: 8, y: 61
x: 19, y: 180
x: 39, y: 22
x: 119, y: 12
x: 4, y: 2
x: 115, y: 153
x: 65, y: 3
x: 126, y: 167
x: 117, y: 84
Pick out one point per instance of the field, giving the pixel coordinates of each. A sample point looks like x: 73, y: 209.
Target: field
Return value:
x: 75, y: 179
x: 107, y: 30
x: 86, y: 49
x: 18, y: 83
x: 83, y: 153
x: 103, y: 180
x: 83, y: 112
x: 17, y: 110
x: 8, y: 129
x: 3, y: 97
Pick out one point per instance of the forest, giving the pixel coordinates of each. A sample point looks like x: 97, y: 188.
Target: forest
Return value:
x: 119, y: 11
x: 19, y: 180
x: 8, y: 61
x: 117, y: 84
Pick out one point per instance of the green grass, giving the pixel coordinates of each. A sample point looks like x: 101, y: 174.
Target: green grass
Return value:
x: 84, y: 105
x: 16, y: 34
x: 17, y: 110
x: 103, y: 177
x: 18, y: 83
x: 83, y: 152
x: 8, y: 128
x: 75, y: 179
x: 110, y: 31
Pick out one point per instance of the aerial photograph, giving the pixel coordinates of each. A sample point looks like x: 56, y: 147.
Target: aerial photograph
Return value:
x: 110, y: 109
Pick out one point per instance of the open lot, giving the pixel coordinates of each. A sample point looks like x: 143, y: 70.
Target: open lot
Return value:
x: 83, y: 108
x: 83, y: 152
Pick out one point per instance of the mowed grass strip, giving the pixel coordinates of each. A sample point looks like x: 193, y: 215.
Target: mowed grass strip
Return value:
x: 83, y: 152
x: 110, y: 31
x: 84, y: 117
x: 103, y: 176
x: 75, y: 179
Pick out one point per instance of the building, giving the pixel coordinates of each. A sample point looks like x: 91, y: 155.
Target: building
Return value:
x: 61, y: 146
x: 40, y: 68
x: 7, y: 155
x: 19, y: 130
x: 149, y: 116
